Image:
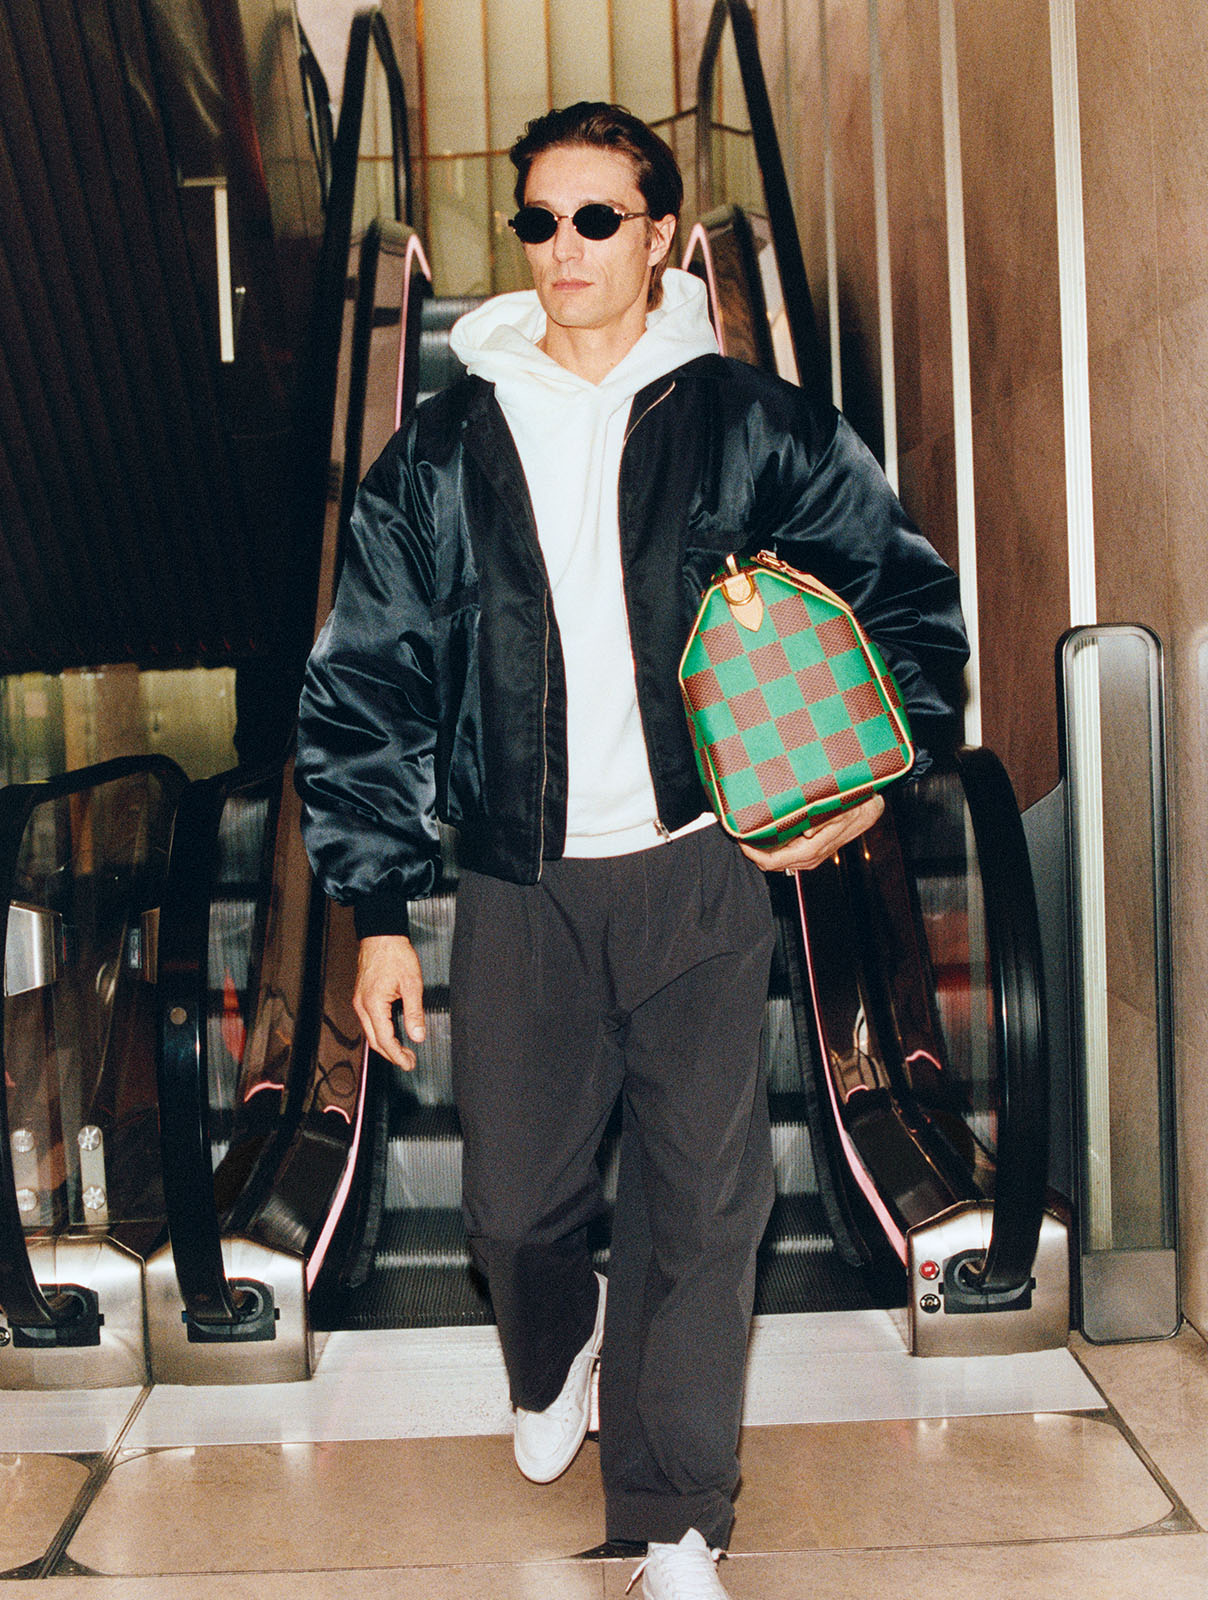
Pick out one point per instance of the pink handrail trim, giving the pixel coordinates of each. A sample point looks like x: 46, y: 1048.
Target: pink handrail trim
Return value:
x: 698, y: 236
x: 858, y: 1170
x: 414, y: 249
x: 315, y: 1262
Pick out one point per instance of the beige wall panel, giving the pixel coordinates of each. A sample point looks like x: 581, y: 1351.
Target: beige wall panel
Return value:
x: 807, y: 174
x: 511, y: 269
x: 691, y: 21
x: 1022, y: 584
x: 1010, y: 201
x: 1128, y: 449
x: 518, y: 81
x: 1015, y: 356
x: 1118, y: 173
x: 460, y: 246
x: 1191, y: 1052
x: 927, y: 488
x: 1185, y: 371
x: 580, y: 51
x: 1178, y: 42
x: 855, y: 223
x: 918, y: 228
x: 455, y: 76
x: 643, y: 46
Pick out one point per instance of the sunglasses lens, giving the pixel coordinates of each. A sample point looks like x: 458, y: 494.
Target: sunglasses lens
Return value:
x: 596, y: 221
x: 534, y: 224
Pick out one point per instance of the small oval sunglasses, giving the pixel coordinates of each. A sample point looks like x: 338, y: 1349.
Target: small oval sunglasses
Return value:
x: 534, y: 224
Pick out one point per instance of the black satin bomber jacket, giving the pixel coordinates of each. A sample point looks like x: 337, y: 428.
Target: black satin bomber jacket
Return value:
x: 436, y: 688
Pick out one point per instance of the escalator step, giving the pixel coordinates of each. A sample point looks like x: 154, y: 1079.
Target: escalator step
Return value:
x: 422, y: 1276
x: 423, y: 1163
x: 432, y: 1081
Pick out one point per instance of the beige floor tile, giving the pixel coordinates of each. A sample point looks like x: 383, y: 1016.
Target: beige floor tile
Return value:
x: 840, y: 1485
x: 1174, y: 1566
x: 331, y: 1506
x: 36, y: 1493
x: 1161, y: 1392
x: 547, y: 1580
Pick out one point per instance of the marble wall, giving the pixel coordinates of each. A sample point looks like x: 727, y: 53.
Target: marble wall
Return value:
x: 1142, y: 70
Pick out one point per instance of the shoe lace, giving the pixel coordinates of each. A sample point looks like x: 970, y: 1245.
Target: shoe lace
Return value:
x: 695, y: 1572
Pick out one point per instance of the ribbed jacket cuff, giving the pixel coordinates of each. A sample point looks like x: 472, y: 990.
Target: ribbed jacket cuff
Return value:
x: 381, y: 913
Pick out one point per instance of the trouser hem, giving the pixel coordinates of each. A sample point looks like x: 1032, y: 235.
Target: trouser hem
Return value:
x: 666, y: 1518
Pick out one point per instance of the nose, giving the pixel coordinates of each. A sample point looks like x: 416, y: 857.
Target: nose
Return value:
x: 568, y: 243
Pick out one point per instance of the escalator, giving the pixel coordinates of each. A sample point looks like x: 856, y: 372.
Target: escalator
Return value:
x: 82, y: 863
x: 273, y: 1115
x: 887, y: 1119
x: 306, y: 1185
x: 268, y: 1124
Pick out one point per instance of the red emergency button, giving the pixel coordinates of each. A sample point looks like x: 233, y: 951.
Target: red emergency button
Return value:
x: 929, y: 1270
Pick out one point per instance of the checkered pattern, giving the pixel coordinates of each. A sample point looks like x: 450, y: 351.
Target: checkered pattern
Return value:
x: 791, y: 722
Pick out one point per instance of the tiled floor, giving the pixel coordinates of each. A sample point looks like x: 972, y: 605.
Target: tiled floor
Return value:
x: 864, y: 1472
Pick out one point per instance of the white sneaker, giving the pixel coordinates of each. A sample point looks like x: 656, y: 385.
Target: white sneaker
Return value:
x: 683, y: 1571
x: 546, y: 1442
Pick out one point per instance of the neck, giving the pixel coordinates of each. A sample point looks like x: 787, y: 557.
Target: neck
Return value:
x: 592, y: 353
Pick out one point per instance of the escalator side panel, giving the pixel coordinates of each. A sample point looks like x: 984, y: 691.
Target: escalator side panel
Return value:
x: 118, y: 1357
x: 286, y: 1357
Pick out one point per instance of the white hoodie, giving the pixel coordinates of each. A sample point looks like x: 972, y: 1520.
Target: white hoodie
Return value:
x: 569, y: 434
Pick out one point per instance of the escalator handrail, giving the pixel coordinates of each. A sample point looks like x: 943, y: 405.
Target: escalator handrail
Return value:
x: 1017, y: 979
x: 811, y: 357
x: 382, y: 237
x: 317, y: 392
x: 182, y: 1000
x: 321, y: 126
x: 24, y: 1302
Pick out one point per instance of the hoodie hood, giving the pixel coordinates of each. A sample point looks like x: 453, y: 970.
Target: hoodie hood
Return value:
x: 498, y: 341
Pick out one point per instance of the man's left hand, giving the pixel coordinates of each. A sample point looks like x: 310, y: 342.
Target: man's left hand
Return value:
x: 811, y: 849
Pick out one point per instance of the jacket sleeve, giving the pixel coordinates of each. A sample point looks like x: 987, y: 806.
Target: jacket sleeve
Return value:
x: 828, y: 509
x: 368, y: 713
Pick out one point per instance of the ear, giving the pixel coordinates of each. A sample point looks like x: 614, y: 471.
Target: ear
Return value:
x: 662, y: 231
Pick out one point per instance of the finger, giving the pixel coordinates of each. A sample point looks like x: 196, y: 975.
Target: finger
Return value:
x: 411, y: 1007
x: 377, y: 1019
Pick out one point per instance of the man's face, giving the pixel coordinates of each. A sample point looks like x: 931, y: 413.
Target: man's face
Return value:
x: 593, y: 283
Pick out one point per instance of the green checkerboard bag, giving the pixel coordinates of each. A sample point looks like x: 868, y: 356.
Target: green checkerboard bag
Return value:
x: 794, y: 716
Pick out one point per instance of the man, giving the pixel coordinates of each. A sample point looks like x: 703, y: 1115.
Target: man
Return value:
x: 526, y: 559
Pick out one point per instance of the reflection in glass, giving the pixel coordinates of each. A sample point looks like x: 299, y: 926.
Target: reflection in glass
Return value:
x: 80, y: 1052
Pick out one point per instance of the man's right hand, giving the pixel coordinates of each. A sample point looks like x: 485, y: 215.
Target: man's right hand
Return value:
x: 388, y: 970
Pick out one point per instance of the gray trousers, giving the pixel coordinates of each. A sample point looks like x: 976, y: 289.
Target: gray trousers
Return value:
x: 644, y: 977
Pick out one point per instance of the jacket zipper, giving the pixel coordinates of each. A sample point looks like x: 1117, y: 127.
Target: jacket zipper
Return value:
x: 545, y: 599
x: 660, y: 827
x: 657, y: 401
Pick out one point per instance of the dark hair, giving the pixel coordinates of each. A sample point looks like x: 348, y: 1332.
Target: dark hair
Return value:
x: 607, y: 127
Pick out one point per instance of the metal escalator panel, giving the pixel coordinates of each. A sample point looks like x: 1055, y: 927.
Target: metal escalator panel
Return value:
x: 262, y: 1099
x: 935, y: 962
x: 83, y: 862
x: 924, y: 961
x: 883, y: 1141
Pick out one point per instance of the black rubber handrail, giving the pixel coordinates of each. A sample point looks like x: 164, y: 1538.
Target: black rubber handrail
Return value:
x: 319, y: 123
x: 1017, y: 978
x: 317, y: 391
x: 183, y: 998
x: 22, y: 1297
x: 812, y: 360
x: 382, y: 238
